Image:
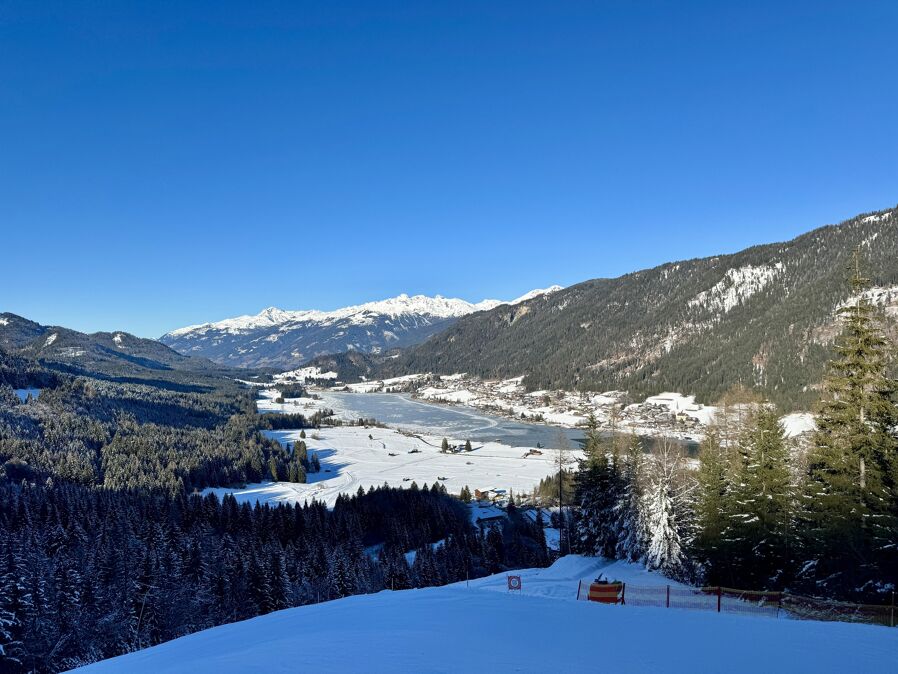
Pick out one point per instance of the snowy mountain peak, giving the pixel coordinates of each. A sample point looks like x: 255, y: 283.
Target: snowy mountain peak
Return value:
x: 403, y: 304
x: 288, y: 338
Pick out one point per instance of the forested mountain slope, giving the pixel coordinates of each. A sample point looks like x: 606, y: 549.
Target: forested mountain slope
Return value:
x: 108, y: 353
x: 762, y: 317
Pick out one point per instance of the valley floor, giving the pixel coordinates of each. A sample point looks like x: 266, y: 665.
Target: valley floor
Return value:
x: 482, y: 626
x: 354, y: 456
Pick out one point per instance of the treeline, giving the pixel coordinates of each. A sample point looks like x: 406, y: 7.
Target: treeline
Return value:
x: 87, y: 574
x: 289, y: 390
x: 761, y: 512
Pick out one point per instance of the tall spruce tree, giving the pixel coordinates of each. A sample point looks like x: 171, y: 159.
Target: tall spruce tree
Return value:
x: 713, y: 478
x: 759, y: 508
x: 598, y: 491
x: 850, y: 501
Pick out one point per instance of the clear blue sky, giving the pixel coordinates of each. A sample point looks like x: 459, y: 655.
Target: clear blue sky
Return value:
x: 167, y: 163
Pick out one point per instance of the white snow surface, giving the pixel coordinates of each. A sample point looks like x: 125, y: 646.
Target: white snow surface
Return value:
x: 304, y: 373
x: 877, y: 218
x: 736, y: 286
x: 459, y: 628
x: 884, y: 297
x: 355, y: 460
x: 798, y: 423
x: 51, y: 339
x: 682, y: 404
x: 361, y: 314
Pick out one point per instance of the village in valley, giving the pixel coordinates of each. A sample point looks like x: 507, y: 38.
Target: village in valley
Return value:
x: 667, y: 414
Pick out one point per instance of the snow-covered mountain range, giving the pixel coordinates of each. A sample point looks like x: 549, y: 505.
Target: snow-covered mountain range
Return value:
x: 278, y: 338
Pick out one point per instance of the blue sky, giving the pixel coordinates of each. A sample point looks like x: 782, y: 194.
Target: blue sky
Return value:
x: 168, y: 163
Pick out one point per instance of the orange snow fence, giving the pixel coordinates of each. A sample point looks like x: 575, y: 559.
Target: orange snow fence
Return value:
x: 730, y: 600
x: 606, y: 593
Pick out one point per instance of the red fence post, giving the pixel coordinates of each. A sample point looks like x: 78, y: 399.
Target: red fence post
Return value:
x: 719, y: 593
x: 668, y: 596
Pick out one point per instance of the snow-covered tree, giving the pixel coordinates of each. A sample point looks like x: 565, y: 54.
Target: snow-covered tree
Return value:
x: 668, y: 512
x: 630, y: 509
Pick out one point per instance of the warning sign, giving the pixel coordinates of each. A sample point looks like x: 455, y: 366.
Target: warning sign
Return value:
x: 514, y: 583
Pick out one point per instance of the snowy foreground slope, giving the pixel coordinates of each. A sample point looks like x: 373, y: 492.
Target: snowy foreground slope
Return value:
x: 458, y: 628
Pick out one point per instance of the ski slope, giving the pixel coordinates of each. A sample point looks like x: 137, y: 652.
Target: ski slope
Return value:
x: 351, y: 459
x: 469, y: 628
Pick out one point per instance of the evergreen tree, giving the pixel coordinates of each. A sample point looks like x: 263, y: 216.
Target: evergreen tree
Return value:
x: 851, y: 500
x: 668, y: 513
x: 759, y: 507
x: 713, y: 482
x: 598, y: 493
x: 633, y: 529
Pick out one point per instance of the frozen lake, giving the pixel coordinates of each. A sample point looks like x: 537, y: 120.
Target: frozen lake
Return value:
x: 399, y: 410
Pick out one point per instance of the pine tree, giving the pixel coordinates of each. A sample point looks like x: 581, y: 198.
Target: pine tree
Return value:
x: 340, y: 580
x: 633, y: 530
x: 759, y: 506
x: 598, y: 492
x: 713, y: 480
x: 11, y: 591
x: 852, y: 488
x: 444, y: 446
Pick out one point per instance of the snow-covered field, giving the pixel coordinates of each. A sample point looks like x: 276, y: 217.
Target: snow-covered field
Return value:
x: 355, y: 460
x: 541, y: 629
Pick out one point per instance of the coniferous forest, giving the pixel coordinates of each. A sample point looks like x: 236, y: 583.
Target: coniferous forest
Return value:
x: 89, y: 573
x: 108, y: 547
x: 757, y: 510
